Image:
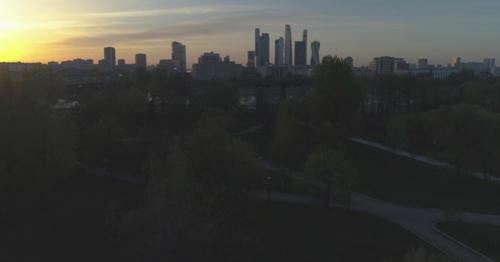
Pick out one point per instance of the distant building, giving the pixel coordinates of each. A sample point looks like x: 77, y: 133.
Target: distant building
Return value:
x: 121, y: 62
x: 110, y: 56
x: 489, y: 65
x: 264, y: 50
x: 211, y: 67
x: 20, y: 67
x: 279, y: 51
x: 179, y: 55
x: 386, y: 65
x: 257, y: 42
x: 423, y: 63
x: 288, y: 46
x: 169, y: 65
x: 141, y: 61
x: 251, y: 59
x: 75, y: 63
x: 305, y: 40
x: 444, y: 73
x: 315, y: 58
x: 457, y: 62
x: 300, y: 49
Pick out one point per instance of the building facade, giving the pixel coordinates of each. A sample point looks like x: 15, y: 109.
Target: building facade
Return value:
x: 110, y: 56
x: 288, y: 46
x: 179, y: 55
x: 315, y: 58
x: 141, y: 61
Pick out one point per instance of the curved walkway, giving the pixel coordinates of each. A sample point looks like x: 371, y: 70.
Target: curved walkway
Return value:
x: 419, y: 221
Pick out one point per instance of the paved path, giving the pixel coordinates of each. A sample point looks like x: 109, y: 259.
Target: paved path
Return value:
x: 420, y: 158
x: 419, y: 221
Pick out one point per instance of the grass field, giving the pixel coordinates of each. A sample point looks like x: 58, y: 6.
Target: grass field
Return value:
x: 402, y: 180
x: 284, y: 232
x: 484, y: 238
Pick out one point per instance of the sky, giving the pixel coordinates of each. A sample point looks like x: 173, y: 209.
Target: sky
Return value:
x: 57, y: 30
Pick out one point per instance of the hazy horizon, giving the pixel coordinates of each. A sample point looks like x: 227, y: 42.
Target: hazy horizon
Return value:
x: 57, y: 30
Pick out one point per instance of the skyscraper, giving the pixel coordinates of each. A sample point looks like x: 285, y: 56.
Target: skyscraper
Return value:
x: 315, y: 46
x: 304, y: 39
x: 288, y: 45
x: 279, y: 51
x: 300, y: 59
x: 257, y: 41
x: 110, y: 56
x: 264, y: 50
x: 179, y: 55
x: 140, y: 61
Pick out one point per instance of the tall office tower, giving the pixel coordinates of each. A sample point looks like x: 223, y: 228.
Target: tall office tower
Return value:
x: 288, y: 45
x: 251, y: 59
x: 264, y: 50
x: 315, y: 46
x: 423, y: 63
x: 304, y: 39
x: 110, y: 56
x: 140, y: 61
x: 179, y: 55
x: 279, y: 51
x: 300, y: 59
x: 257, y: 41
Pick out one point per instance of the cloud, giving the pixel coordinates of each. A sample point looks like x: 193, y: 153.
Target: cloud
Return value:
x: 178, y: 31
x: 194, y: 10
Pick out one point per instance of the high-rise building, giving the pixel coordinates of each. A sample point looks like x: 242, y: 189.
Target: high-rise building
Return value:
x: 315, y: 59
x: 304, y: 39
x: 279, y: 51
x: 110, y: 56
x: 179, y: 55
x: 141, y: 61
x: 288, y: 46
x: 423, y: 63
x: 300, y: 48
x: 257, y: 41
x: 264, y: 50
x: 251, y: 59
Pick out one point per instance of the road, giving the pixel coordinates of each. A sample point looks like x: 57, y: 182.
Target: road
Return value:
x: 419, y: 221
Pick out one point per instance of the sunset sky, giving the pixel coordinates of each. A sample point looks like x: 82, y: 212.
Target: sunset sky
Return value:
x: 45, y: 30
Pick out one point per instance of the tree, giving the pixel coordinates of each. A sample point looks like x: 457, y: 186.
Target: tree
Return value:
x: 291, y: 139
x: 334, y: 169
x: 396, y: 132
x: 336, y: 97
x: 220, y: 160
x: 220, y: 95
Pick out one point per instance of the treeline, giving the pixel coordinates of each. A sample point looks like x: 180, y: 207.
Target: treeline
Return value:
x: 454, y: 120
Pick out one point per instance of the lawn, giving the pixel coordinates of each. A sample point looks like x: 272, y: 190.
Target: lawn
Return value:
x: 484, y: 238
x: 284, y: 232
x: 402, y: 180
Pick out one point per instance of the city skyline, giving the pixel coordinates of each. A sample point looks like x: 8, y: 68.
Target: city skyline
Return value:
x: 63, y: 30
